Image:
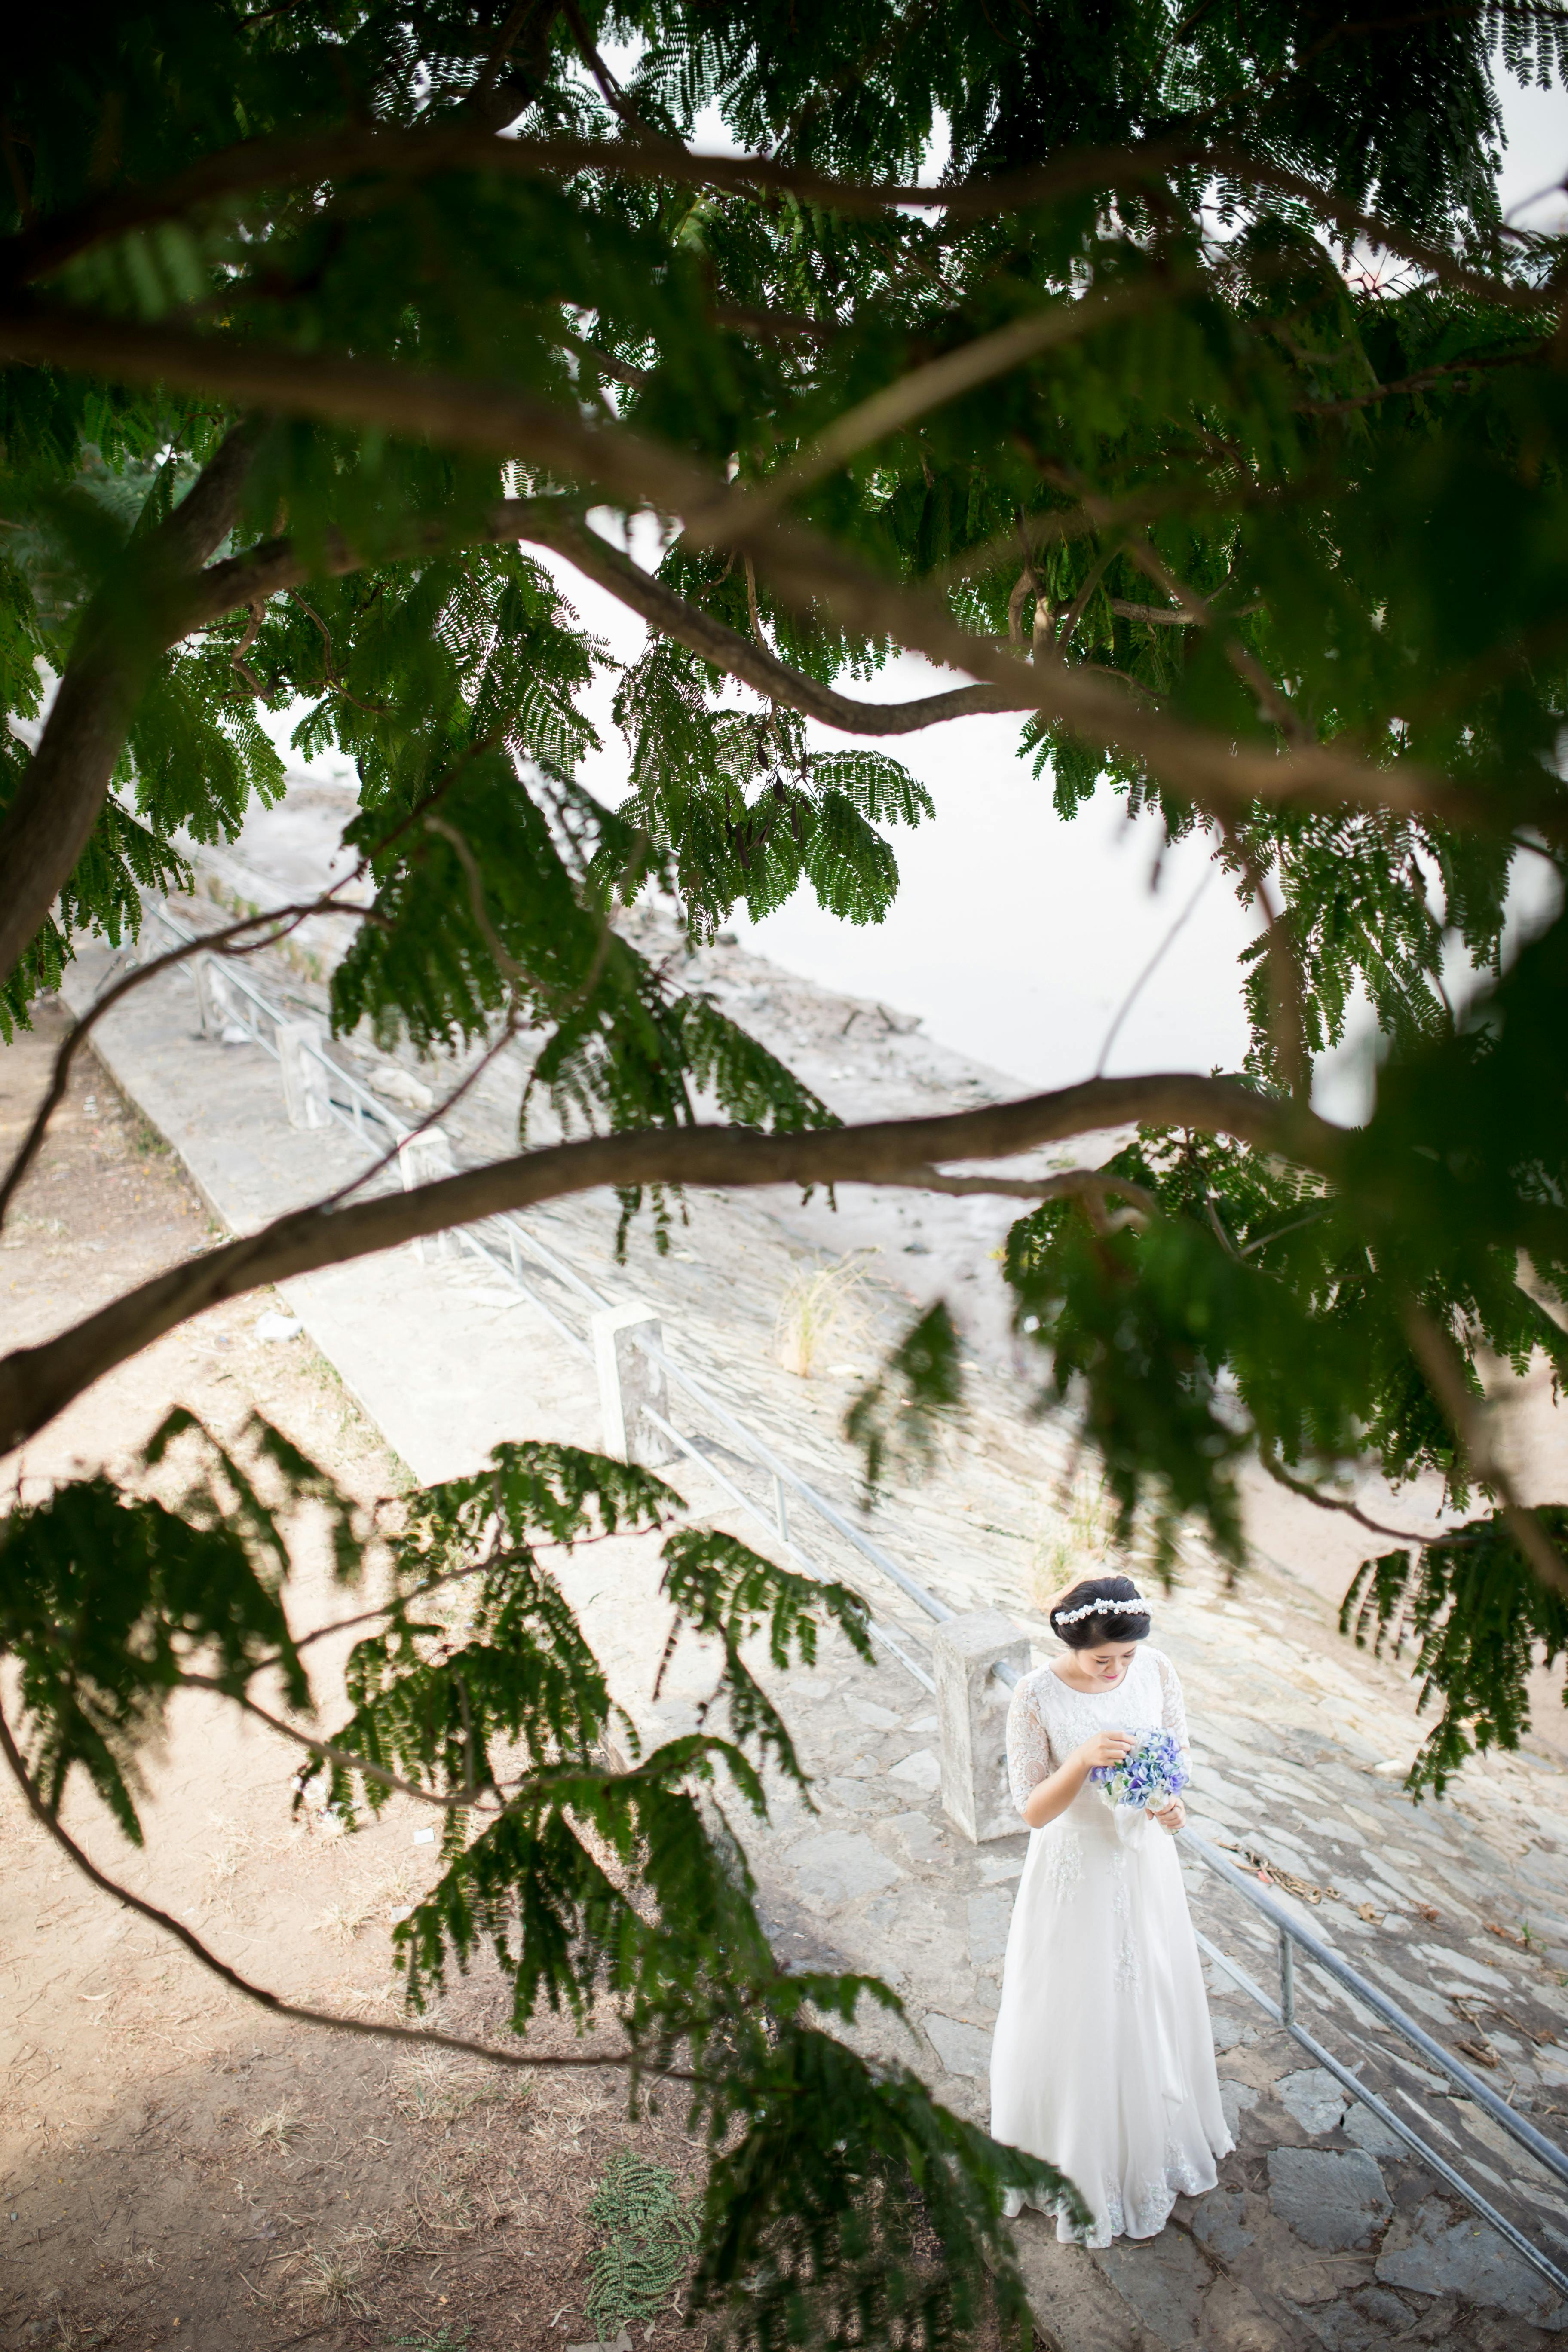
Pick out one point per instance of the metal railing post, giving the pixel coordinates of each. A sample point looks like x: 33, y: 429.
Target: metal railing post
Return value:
x: 1287, y: 1978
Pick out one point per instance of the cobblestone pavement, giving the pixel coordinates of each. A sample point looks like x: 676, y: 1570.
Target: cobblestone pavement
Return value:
x: 1323, y: 2232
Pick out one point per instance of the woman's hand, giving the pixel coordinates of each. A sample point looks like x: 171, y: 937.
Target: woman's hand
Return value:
x: 1173, y: 1817
x: 1105, y: 1748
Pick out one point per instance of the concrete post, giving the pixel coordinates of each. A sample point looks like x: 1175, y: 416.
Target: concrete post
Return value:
x: 423, y: 1159
x: 629, y: 1381
x: 305, y: 1079
x: 972, y: 1711
x: 215, y: 996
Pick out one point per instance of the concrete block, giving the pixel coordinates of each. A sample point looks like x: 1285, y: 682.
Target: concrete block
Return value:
x: 216, y: 998
x: 630, y: 1384
x: 305, y: 1079
x: 425, y: 1159
x: 972, y: 1711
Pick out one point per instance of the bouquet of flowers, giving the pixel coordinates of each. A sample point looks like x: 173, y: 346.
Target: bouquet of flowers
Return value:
x: 1148, y: 1775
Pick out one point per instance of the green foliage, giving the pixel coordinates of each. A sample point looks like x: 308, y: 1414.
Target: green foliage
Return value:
x: 107, y: 1598
x: 1479, y: 1619
x: 720, y: 1588
x: 1265, y: 1308
x: 744, y: 810
x: 648, y: 2241
x: 897, y: 1416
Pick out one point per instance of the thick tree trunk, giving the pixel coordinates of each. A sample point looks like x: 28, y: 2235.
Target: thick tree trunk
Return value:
x: 132, y: 622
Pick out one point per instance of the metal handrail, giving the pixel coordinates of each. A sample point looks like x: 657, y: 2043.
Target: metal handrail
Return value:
x: 781, y: 1535
x: 1291, y: 1932
x: 1283, y: 2014
x: 1545, y: 2151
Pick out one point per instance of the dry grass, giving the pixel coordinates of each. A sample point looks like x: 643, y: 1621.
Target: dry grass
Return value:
x: 233, y: 1849
x: 823, y: 1313
x: 436, y: 2089
x: 1075, y: 1538
x: 276, y: 2127
x: 331, y: 2278
x: 384, y: 1898
x: 444, y: 2194
x: 80, y: 2336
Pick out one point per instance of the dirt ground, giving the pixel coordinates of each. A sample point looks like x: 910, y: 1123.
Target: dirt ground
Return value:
x: 176, y: 2165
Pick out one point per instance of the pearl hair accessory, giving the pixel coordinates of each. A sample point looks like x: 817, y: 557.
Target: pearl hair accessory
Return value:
x: 1137, y: 1607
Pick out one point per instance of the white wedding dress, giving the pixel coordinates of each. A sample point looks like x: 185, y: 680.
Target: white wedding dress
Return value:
x: 1103, y: 2059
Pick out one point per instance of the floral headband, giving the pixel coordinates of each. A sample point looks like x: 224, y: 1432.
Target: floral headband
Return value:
x: 1137, y: 1607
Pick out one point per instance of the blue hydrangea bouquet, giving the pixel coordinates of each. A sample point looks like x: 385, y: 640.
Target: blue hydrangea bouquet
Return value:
x: 1148, y: 1775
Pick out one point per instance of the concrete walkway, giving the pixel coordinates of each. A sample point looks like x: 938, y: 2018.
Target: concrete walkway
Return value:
x: 1323, y: 2232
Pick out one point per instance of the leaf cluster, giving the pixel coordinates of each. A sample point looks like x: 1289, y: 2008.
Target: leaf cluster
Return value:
x: 1479, y: 1619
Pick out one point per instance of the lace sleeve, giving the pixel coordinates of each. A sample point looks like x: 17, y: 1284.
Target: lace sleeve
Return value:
x: 1028, y: 1747
x: 1173, y: 1710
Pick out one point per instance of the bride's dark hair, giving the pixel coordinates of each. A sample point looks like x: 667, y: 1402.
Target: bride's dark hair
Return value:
x: 1100, y: 1625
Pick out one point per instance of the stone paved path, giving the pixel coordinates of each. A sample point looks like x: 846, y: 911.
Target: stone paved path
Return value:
x: 1322, y: 2231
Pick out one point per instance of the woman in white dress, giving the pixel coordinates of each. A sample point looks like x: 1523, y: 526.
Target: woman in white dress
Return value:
x: 1103, y: 2059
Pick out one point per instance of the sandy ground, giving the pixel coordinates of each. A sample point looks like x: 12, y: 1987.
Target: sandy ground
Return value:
x: 175, y: 2166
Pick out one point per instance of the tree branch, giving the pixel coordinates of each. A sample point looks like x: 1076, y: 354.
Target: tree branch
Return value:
x: 1287, y: 1014
x: 566, y: 534
x: 944, y: 379
x: 352, y: 149
x: 126, y: 629
x: 1270, y: 1462
x: 87, y: 727
x: 278, y: 565
x: 1422, y: 380
x: 1072, y: 1184
x: 803, y: 567
x: 37, y: 1383
x: 462, y: 1801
